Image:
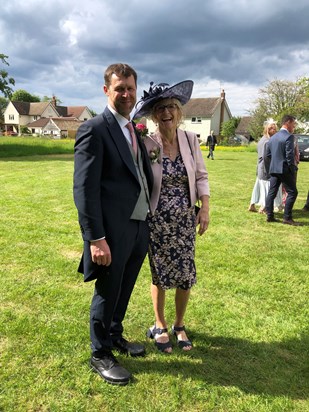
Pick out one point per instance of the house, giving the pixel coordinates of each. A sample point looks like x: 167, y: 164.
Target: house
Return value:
x: 201, y: 115
x: 243, y: 127
x: 18, y: 114
x: 56, y: 127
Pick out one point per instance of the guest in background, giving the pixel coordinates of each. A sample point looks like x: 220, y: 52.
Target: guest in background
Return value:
x: 255, y: 196
x: 180, y: 179
x: 262, y: 182
x: 281, y: 154
x: 211, y: 142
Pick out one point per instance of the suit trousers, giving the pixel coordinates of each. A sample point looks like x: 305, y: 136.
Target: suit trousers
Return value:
x: 113, y: 288
x: 288, y: 181
x: 211, y: 151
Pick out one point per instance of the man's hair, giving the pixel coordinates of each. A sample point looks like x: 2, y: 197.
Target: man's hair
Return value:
x: 287, y: 118
x: 120, y: 69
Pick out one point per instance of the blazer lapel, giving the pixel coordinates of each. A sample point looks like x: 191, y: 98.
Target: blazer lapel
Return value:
x: 187, y: 152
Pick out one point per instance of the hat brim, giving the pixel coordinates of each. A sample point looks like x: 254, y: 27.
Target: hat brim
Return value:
x: 181, y: 91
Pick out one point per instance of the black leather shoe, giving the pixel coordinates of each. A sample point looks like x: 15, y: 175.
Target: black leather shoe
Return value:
x: 133, y: 349
x: 110, y: 370
x: 291, y: 222
x: 271, y: 219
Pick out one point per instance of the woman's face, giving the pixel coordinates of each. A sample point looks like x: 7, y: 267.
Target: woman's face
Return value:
x: 272, y: 129
x: 167, y: 114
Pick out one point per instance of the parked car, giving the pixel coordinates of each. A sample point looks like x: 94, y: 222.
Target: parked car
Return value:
x: 238, y: 140
x: 303, y: 146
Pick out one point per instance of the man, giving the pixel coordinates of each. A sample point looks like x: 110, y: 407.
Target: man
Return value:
x: 112, y: 184
x: 211, y: 142
x: 282, y: 168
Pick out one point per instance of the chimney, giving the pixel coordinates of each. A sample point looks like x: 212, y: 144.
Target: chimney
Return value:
x: 222, y: 109
x: 54, y: 101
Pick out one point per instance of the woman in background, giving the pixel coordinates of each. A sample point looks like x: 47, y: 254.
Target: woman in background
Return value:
x: 261, y: 186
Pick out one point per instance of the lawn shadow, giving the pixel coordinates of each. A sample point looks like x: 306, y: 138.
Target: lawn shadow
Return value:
x: 275, y: 369
x: 301, y: 215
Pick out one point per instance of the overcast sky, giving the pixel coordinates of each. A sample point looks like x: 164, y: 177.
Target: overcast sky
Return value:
x: 62, y: 47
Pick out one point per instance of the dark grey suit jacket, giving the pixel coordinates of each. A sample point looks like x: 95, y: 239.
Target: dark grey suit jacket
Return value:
x: 280, y: 153
x: 106, y: 185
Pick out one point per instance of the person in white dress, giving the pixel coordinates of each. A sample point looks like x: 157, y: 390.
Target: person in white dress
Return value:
x: 261, y: 186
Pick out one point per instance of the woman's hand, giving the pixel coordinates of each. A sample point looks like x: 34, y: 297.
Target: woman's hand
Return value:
x: 202, y: 217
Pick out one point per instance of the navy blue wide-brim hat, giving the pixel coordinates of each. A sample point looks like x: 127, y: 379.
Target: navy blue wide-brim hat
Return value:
x: 181, y: 91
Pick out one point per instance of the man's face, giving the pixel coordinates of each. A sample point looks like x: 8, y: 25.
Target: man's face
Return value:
x: 121, y: 94
x: 291, y: 125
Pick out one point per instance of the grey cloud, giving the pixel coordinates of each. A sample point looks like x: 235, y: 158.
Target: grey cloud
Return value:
x: 63, y: 47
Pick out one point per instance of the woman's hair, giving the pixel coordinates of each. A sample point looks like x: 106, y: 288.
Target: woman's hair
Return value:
x: 267, y: 127
x: 171, y: 100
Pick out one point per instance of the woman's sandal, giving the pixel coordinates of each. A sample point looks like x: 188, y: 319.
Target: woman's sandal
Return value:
x: 182, y: 344
x: 152, y: 332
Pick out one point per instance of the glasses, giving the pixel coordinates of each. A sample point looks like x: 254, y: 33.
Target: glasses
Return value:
x: 170, y: 107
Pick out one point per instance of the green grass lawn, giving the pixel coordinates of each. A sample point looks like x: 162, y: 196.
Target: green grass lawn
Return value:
x: 248, y: 314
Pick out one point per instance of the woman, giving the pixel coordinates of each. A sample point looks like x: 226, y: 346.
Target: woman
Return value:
x: 261, y: 185
x: 180, y: 179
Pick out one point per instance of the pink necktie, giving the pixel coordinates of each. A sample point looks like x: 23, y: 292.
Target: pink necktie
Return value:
x: 133, y: 137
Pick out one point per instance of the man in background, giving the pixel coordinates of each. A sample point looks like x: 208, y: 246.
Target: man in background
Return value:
x: 211, y: 142
x: 282, y: 168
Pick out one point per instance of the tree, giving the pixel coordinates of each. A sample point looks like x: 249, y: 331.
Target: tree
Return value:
x: 5, y: 80
x: 92, y: 112
x: 49, y: 99
x: 277, y: 98
x: 228, y: 128
x: 21, y: 95
x: 3, y: 103
x: 302, y: 106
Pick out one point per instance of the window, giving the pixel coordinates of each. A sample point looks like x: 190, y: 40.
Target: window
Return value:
x: 11, y: 117
x: 35, y: 117
x: 196, y: 120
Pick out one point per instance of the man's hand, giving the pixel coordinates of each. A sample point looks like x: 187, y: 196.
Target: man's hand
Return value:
x: 100, y: 252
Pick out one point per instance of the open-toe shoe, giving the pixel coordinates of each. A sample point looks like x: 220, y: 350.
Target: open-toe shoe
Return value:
x: 161, y: 346
x: 182, y: 344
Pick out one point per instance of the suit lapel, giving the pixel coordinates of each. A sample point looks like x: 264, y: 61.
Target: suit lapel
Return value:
x: 120, y: 141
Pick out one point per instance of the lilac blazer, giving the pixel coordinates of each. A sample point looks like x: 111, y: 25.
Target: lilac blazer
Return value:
x: 195, y: 166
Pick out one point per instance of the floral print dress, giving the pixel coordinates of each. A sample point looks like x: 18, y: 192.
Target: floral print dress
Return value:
x: 172, y: 230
